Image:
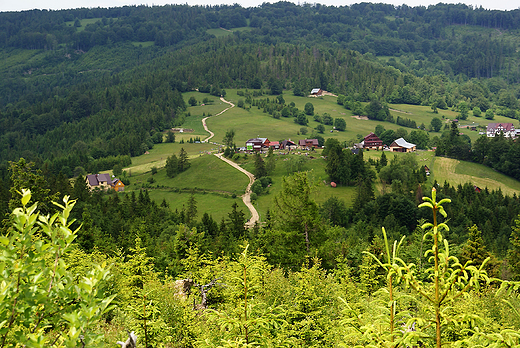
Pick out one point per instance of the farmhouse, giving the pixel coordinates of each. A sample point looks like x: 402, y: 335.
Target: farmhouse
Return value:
x: 257, y: 144
x: 494, y: 129
x: 274, y: 144
x: 308, y: 143
x: 372, y: 142
x: 401, y: 145
x: 104, y: 182
x: 317, y: 91
x: 287, y: 145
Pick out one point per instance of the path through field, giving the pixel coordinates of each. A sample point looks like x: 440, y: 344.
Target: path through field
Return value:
x: 211, y: 135
x: 246, y: 198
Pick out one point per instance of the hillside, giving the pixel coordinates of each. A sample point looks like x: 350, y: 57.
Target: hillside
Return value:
x: 254, y: 122
x: 67, y: 71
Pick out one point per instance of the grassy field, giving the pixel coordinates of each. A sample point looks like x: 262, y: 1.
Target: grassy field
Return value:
x: 143, y: 44
x: 157, y: 156
x: 220, y: 32
x: 215, y: 183
x: 84, y: 22
x: 458, y: 172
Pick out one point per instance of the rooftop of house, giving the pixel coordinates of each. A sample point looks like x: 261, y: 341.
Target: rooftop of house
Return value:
x: 96, y: 179
x: 505, y: 126
x: 403, y: 143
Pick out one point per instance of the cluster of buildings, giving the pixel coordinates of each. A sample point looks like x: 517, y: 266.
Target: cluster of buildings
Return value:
x: 261, y: 144
x: 372, y: 142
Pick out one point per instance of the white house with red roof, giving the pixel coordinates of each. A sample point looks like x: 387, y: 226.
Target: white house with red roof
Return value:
x: 494, y: 129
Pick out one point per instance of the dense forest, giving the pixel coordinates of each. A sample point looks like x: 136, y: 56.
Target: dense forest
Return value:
x: 85, y: 90
x: 63, y: 81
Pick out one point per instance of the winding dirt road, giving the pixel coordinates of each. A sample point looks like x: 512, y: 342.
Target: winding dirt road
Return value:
x: 246, y: 197
x: 211, y: 134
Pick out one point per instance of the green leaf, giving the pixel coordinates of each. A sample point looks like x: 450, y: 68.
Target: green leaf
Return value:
x: 4, y: 240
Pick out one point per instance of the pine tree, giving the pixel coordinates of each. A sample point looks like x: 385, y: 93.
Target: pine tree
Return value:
x: 260, y: 170
x: 271, y: 162
x: 513, y: 255
x: 296, y: 210
x: 383, y: 161
x: 191, y: 212
x: 183, y: 163
x: 172, y: 166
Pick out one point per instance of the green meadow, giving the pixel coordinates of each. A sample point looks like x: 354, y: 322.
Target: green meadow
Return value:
x: 216, y: 185
x: 221, y: 32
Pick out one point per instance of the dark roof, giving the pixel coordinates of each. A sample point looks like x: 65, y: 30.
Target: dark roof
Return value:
x: 372, y: 137
x: 304, y: 142
x: 96, y: 179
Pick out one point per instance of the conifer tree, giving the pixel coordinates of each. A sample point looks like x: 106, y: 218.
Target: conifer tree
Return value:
x: 183, y: 161
x: 172, y: 166
x: 260, y: 170
x: 513, y: 255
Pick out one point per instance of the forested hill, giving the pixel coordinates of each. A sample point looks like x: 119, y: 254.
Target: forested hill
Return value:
x: 88, y: 87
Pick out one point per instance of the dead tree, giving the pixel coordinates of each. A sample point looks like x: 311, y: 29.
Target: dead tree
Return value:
x: 131, y: 342
x: 204, y: 289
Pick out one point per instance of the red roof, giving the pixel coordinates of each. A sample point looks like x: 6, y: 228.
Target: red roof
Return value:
x: 508, y: 127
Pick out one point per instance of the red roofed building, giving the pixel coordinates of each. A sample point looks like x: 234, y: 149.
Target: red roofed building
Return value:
x: 494, y: 129
x: 257, y: 144
x: 372, y: 142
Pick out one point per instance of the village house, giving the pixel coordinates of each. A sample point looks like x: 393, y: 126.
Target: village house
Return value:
x: 104, y: 182
x: 401, y: 145
x: 317, y: 92
x: 274, y: 144
x: 372, y: 142
x: 257, y: 144
x: 287, y: 145
x: 494, y: 129
x: 308, y: 143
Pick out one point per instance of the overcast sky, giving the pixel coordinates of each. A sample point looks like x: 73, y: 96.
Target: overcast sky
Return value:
x: 20, y: 5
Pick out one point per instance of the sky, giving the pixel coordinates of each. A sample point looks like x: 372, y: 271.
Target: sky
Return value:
x: 21, y: 5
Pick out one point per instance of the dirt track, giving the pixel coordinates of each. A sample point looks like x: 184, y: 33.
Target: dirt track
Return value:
x: 211, y: 134
x: 246, y: 198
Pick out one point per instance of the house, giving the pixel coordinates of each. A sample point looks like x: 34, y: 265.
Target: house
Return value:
x: 372, y: 142
x: 494, y: 129
x: 401, y: 145
x: 317, y: 92
x: 274, y: 144
x: 117, y: 185
x: 103, y: 182
x: 308, y: 143
x: 257, y: 144
x: 287, y: 145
